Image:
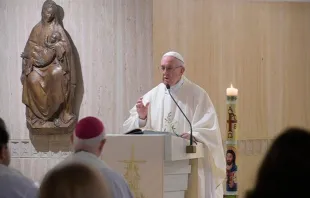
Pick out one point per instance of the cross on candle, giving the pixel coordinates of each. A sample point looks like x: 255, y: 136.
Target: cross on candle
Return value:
x: 231, y: 119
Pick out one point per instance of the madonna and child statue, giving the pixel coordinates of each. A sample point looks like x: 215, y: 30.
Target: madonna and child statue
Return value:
x: 48, y: 75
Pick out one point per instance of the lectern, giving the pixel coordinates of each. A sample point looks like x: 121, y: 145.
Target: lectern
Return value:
x: 155, y: 165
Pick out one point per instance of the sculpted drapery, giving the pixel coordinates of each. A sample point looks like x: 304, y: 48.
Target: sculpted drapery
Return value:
x: 48, y: 73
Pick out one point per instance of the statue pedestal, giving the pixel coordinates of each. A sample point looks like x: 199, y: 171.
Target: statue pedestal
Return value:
x: 51, y: 128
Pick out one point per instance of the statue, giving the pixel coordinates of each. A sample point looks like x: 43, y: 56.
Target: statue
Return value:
x: 48, y: 75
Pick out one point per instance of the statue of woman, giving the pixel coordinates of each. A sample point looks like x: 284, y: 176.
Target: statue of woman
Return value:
x: 48, y: 74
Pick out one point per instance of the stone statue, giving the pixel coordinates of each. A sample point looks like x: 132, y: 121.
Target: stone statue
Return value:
x: 48, y: 75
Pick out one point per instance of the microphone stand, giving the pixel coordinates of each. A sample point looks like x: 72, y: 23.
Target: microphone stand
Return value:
x: 189, y: 148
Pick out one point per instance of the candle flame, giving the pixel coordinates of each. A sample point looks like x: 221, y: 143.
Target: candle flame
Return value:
x: 231, y: 86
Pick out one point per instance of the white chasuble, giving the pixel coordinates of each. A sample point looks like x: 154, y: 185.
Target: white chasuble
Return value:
x: 164, y: 115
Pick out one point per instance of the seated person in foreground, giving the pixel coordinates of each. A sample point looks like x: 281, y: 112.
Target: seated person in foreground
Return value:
x: 88, y: 141
x: 285, y: 169
x: 74, y: 180
x: 12, y: 183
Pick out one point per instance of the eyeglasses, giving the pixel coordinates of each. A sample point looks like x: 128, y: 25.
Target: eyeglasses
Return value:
x: 168, y: 69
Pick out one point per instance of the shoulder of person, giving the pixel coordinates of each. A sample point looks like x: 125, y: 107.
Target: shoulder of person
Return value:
x: 148, y: 95
x: 39, y: 24
x: 117, y: 182
x: 5, y: 170
x: 156, y: 88
x: 196, y: 89
x: 112, y: 175
x: 19, y: 181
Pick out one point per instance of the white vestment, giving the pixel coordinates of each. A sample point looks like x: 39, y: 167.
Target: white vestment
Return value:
x: 14, y: 185
x: 164, y: 115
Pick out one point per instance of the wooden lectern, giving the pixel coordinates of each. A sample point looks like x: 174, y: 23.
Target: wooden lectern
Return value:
x: 155, y: 165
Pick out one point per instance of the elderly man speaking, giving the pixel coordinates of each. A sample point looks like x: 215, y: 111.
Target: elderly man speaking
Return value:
x: 157, y: 111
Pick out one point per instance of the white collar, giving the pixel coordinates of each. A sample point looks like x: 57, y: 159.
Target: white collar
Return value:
x: 90, y: 158
x: 177, y: 86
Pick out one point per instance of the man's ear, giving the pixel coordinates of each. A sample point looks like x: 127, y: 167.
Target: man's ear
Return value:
x: 182, y: 70
x: 102, y: 144
x: 2, y: 153
x: 71, y: 138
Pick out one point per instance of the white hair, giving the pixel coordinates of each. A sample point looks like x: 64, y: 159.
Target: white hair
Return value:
x: 175, y: 55
x: 88, y: 144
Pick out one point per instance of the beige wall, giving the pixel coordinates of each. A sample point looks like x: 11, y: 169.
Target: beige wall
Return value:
x: 262, y: 48
x: 109, y: 36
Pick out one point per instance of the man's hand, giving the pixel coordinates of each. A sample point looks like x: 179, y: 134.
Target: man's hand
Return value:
x: 188, y: 136
x: 141, y: 109
x: 23, y: 55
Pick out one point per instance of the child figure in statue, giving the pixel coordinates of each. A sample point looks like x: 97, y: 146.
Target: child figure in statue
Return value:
x: 42, y: 56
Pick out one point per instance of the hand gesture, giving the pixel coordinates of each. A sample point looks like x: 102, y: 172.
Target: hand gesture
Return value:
x: 39, y: 62
x: 49, y: 45
x: 46, y: 43
x: 187, y: 136
x: 142, y: 109
x: 23, y: 55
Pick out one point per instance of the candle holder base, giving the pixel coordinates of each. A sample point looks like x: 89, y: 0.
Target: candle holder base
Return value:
x: 190, y: 149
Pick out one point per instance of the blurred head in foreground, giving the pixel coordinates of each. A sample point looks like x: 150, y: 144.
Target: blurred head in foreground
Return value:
x: 285, y: 168
x: 5, y: 156
x: 73, y: 181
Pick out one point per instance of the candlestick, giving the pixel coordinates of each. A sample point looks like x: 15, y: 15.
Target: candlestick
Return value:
x: 231, y: 187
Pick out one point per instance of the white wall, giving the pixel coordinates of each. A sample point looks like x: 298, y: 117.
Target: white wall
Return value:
x: 114, y: 42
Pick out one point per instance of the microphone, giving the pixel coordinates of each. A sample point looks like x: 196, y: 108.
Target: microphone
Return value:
x: 191, y: 148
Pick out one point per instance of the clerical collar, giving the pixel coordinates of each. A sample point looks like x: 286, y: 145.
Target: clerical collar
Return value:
x: 177, y: 86
x: 80, y: 150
